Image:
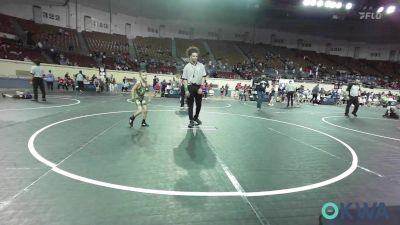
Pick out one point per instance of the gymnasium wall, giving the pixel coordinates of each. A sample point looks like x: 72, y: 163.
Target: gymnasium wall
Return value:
x: 11, y: 68
x: 18, y: 9
x: 18, y: 69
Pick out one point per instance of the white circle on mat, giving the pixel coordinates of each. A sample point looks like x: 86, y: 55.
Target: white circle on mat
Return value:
x: 54, y: 167
x: 358, y: 131
x: 46, y: 107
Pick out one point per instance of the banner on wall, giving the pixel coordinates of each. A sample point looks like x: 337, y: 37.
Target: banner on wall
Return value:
x: 54, y: 16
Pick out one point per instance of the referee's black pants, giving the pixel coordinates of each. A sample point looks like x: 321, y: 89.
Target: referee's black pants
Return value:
x: 193, y: 89
x: 182, y: 96
x: 354, y: 101
x: 80, y: 85
x: 290, y: 95
x: 37, y: 82
x: 314, y: 98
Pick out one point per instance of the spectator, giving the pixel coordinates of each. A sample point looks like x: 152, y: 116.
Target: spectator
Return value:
x: 315, y: 92
x: 60, y: 82
x: 125, y: 85
x: 222, y: 91
x: 155, y: 81
x: 69, y: 82
x: 79, y: 80
x: 50, y: 80
x: 163, y: 87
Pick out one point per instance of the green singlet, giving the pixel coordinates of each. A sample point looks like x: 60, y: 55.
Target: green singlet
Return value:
x: 140, y: 93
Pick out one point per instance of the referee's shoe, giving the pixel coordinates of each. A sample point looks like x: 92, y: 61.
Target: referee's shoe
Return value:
x: 191, y: 124
x: 198, y: 121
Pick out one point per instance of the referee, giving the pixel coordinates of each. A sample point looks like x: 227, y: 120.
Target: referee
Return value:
x: 290, y: 88
x: 354, y: 90
x: 37, y: 81
x: 193, y: 77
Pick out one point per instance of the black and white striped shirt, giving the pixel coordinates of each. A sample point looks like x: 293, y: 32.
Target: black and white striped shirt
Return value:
x: 194, y: 73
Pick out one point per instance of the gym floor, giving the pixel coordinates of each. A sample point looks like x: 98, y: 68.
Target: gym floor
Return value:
x: 74, y: 160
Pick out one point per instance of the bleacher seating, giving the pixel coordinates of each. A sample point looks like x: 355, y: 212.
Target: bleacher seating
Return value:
x: 226, y: 52
x: 162, y: 69
x: 354, y: 65
x: 107, y: 43
x: 396, y: 68
x: 346, y: 63
x: 119, y: 62
x: 58, y: 38
x: 5, y: 24
x: 294, y: 55
x: 368, y: 67
x: 28, y: 25
x: 150, y: 48
x: 10, y: 49
x: 74, y: 59
x: 323, y: 60
x: 260, y: 54
x: 132, y: 65
x: 386, y: 68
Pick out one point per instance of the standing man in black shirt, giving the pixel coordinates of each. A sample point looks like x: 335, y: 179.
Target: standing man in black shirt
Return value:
x: 261, y: 87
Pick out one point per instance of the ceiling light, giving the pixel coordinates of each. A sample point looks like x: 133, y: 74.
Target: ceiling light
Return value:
x: 390, y: 9
x: 349, y: 6
x: 330, y: 4
x: 306, y: 2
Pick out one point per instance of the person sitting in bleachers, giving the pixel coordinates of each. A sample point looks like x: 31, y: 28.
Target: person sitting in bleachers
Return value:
x: 60, y: 82
x: 157, y: 88
x: 125, y: 85
x: 69, y: 82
